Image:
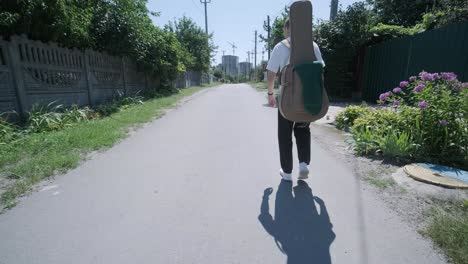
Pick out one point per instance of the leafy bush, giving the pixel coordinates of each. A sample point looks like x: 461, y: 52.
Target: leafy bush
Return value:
x: 218, y: 74
x: 396, y: 145
x: 393, y: 30
x: 119, y: 103
x: 349, y: 31
x: 8, y: 131
x: 433, y: 110
x: 55, y: 117
x: 127, y: 101
x: 382, y: 32
x: 366, y: 142
x: 449, y: 12
x: 345, y: 119
x: 380, y: 122
x: 428, y: 120
x: 167, y: 91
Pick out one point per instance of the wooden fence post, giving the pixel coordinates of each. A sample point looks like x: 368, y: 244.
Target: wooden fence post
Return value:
x: 13, y: 51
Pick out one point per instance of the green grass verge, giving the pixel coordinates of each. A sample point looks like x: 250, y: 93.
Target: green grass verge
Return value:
x: 35, y: 157
x: 449, y: 230
x: 259, y: 86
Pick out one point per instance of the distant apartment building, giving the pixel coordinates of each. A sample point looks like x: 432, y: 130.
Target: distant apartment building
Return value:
x: 245, y: 68
x: 230, y: 65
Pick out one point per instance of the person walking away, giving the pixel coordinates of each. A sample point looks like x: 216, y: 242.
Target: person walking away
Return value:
x: 280, y: 58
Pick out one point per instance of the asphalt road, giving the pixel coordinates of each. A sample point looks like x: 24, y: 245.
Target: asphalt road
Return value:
x: 189, y: 188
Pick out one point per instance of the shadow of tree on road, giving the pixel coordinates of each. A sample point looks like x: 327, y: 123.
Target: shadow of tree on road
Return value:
x: 300, y: 231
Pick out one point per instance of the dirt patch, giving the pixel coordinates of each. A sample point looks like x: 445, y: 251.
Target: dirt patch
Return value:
x: 378, y: 176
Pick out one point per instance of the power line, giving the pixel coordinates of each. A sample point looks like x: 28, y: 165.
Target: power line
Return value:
x: 282, y: 9
x: 199, y: 9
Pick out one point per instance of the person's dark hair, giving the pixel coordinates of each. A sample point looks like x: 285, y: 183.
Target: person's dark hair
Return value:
x: 286, y: 23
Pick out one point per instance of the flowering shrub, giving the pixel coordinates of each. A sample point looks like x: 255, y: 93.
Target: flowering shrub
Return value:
x: 439, y: 105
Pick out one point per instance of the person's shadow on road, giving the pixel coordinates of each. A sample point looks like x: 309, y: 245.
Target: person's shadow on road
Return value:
x: 300, y: 231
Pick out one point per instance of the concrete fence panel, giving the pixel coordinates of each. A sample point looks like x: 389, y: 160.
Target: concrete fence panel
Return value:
x: 8, y: 98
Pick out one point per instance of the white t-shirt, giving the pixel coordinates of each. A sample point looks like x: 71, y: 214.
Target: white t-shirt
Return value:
x: 280, y: 57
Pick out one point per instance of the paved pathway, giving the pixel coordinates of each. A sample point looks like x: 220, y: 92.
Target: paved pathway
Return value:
x: 188, y: 188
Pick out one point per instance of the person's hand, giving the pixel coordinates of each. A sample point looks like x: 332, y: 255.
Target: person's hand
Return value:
x: 318, y: 200
x: 268, y: 191
x: 271, y: 100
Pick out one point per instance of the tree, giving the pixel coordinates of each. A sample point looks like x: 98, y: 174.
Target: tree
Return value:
x: 122, y: 27
x: 349, y: 30
x: 119, y: 27
x: 164, y: 55
x: 66, y: 22
x: 402, y: 12
x: 448, y: 12
x: 276, y: 33
x: 218, y: 74
x: 199, y: 45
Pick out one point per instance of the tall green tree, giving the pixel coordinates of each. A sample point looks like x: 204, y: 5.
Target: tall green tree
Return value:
x: 405, y: 13
x: 63, y: 21
x: 194, y: 39
x: 447, y: 12
x: 119, y: 27
x: 350, y: 29
x: 164, y: 55
x: 122, y: 27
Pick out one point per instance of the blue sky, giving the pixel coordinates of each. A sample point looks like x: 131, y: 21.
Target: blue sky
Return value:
x: 233, y: 21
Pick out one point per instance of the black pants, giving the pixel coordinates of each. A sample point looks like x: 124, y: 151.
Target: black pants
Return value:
x: 302, y: 135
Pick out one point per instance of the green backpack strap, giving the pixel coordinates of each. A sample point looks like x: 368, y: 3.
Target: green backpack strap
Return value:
x: 310, y: 74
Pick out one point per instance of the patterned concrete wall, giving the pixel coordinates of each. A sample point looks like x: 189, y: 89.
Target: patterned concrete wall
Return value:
x: 192, y: 78
x: 35, y: 73
x: 8, y: 99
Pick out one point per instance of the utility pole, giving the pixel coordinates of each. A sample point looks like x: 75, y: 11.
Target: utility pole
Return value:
x: 269, y: 40
x: 253, y: 66
x: 255, y: 48
x: 206, y: 13
x: 224, y: 52
x: 248, y: 64
x: 333, y: 9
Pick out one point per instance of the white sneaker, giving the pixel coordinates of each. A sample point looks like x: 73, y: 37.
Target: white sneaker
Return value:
x: 285, y: 176
x: 303, y: 171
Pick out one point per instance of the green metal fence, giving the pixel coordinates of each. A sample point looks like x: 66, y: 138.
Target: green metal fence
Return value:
x: 441, y: 50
